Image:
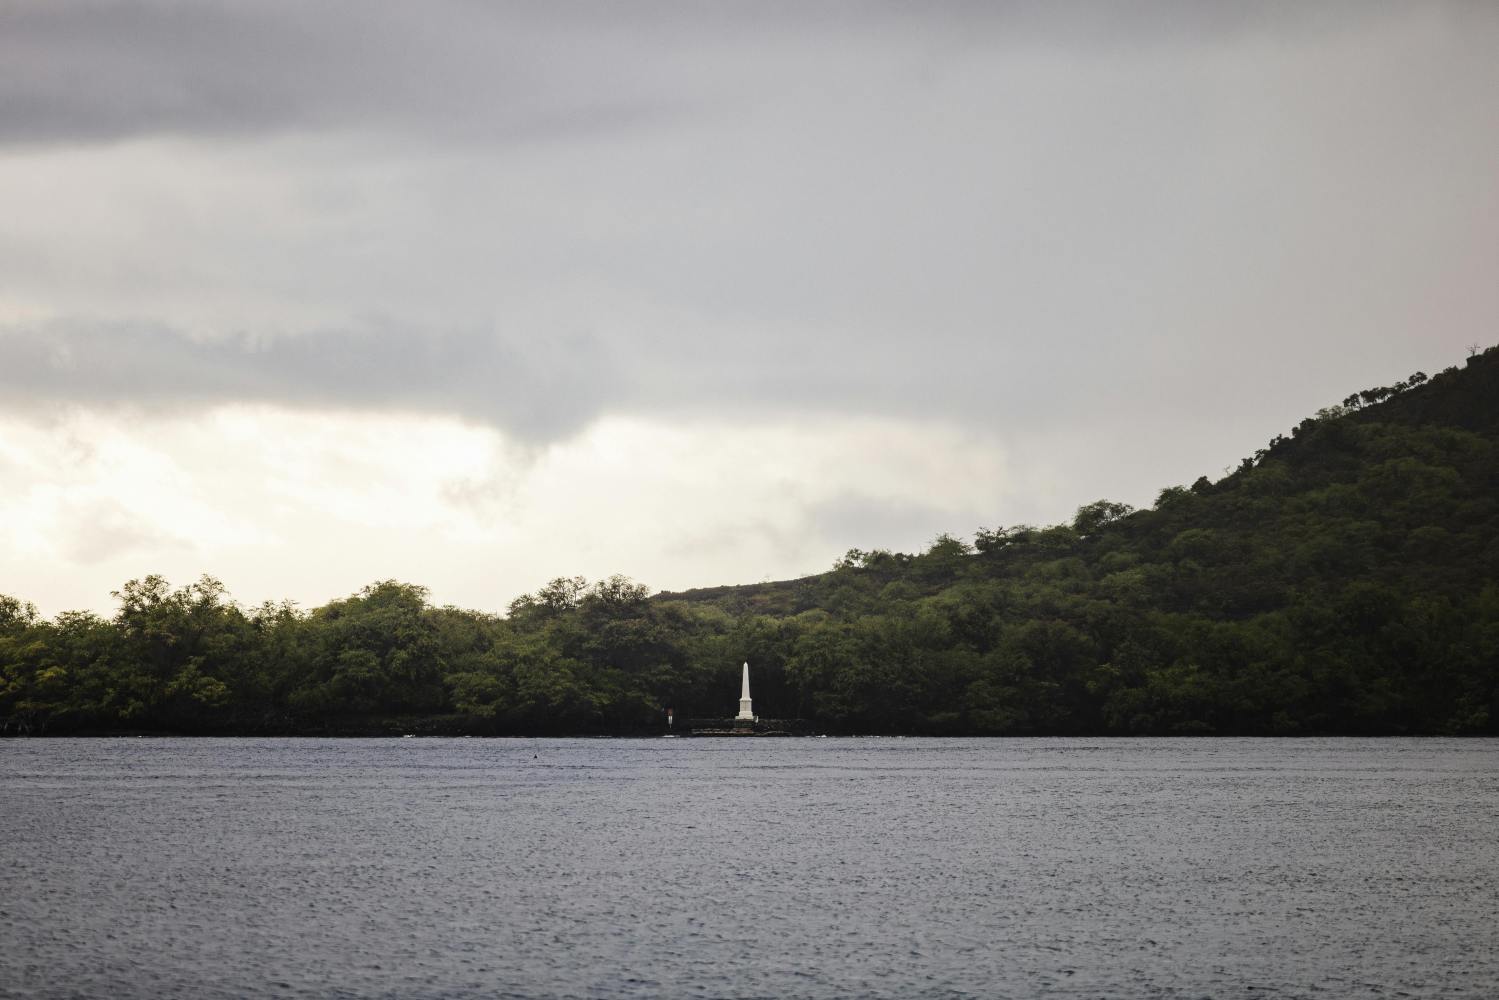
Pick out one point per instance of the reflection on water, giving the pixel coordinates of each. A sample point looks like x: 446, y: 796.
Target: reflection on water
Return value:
x: 784, y: 868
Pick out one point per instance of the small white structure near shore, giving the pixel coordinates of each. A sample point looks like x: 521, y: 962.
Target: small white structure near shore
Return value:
x: 746, y: 713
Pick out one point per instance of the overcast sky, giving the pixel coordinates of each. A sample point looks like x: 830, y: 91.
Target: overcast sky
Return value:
x: 306, y: 295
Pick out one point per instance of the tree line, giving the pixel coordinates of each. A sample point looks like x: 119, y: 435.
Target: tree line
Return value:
x: 1344, y: 579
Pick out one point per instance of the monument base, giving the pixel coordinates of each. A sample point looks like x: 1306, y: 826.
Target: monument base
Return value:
x: 746, y: 727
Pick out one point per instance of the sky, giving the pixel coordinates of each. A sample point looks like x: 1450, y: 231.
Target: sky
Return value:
x: 473, y: 295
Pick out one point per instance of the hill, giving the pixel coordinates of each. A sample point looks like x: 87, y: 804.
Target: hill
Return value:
x: 1341, y: 580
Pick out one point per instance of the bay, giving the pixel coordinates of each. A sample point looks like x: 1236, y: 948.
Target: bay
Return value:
x: 749, y: 868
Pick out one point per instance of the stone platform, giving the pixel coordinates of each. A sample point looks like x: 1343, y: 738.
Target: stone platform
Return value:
x: 745, y: 727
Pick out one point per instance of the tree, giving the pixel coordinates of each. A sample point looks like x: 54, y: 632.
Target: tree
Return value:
x: 1093, y: 517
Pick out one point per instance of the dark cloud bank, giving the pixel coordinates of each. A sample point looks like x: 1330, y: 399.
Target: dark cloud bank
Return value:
x: 538, y: 391
x: 102, y: 70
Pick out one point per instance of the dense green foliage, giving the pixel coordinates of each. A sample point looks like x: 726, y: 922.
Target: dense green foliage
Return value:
x: 1343, y: 580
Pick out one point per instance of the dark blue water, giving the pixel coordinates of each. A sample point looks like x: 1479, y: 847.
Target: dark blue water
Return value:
x: 749, y: 868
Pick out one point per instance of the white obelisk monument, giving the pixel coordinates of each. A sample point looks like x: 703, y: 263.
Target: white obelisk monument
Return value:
x: 745, y: 713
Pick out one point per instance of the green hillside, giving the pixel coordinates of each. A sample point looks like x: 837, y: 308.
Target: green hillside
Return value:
x: 1345, y: 579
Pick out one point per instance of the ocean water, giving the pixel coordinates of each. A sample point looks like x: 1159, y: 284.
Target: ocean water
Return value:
x: 749, y: 868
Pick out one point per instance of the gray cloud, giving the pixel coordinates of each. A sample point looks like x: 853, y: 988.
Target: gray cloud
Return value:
x: 539, y: 392
x: 104, y: 70
x: 536, y: 388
